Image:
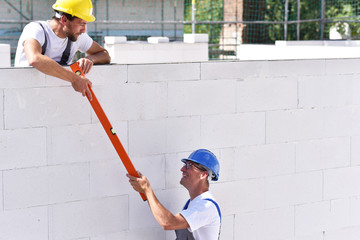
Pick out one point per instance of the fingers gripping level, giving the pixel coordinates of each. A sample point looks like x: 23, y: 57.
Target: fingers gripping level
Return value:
x: 108, y: 129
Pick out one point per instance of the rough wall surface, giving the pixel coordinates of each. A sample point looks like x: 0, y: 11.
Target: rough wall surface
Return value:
x: 287, y: 134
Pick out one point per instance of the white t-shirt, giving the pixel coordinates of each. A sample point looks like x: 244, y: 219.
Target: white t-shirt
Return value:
x: 203, y: 218
x: 55, y: 45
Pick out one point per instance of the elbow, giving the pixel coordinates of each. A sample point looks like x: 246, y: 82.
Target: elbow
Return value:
x: 34, y: 61
x: 108, y: 58
x: 167, y: 227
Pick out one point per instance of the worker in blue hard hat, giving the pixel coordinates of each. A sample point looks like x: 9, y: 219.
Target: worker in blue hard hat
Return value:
x: 46, y: 45
x: 200, y: 218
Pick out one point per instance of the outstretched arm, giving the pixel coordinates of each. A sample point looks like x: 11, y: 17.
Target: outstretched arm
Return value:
x: 164, y: 217
x: 95, y: 55
x: 48, y: 66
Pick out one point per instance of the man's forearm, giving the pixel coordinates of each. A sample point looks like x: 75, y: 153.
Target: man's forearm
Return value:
x: 164, y: 217
x: 49, y: 67
x: 101, y: 57
x: 161, y: 214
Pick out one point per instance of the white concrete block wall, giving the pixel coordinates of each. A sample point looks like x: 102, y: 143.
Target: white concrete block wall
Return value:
x: 32, y: 141
x: 287, y: 135
x: 28, y: 223
x: 153, y: 52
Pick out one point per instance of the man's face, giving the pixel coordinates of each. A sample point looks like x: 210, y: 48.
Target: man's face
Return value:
x: 191, y: 173
x: 73, y: 29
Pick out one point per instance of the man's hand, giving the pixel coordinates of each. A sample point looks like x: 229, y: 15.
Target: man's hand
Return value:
x: 85, y: 64
x: 140, y: 184
x: 81, y: 84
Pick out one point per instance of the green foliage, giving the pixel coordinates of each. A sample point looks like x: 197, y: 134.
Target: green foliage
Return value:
x: 206, y: 10
x: 311, y: 9
x: 345, y: 11
x: 274, y: 11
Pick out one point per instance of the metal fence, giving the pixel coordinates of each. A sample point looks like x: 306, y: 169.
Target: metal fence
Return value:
x: 229, y: 23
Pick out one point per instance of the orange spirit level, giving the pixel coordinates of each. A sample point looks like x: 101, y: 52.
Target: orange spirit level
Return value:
x: 108, y: 129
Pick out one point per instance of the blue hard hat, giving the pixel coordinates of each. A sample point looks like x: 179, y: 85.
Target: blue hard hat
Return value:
x: 207, y: 159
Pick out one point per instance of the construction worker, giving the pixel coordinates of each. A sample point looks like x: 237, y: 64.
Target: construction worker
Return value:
x: 46, y: 45
x: 200, y: 218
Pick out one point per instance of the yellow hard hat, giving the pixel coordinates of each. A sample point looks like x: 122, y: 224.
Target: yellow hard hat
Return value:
x: 78, y: 8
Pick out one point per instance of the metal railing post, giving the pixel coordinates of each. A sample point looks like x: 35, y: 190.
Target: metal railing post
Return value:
x: 193, y: 16
x: 298, y: 23
x: 322, y: 23
x: 286, y: 20
x: 175, y: 6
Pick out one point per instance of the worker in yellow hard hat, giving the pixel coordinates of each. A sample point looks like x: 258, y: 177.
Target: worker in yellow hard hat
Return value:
x: 46, y: 45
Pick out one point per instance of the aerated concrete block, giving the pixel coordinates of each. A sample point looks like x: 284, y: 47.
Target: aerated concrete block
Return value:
x: 284, y: 126
x: 201, y: 97
x: 139, y: 52
x: 183, y: 134
x: 1, y: 193
x: 82, y: 143
x: 336, y: 67
x: 235, y: 202
x: 350, y: 233
x: 196, y: 38
x: 22, y: 148
x: 115, y: 39
x: 22, y: 78
x: 153, y: 167
x: 341, y: 121
x: 164, y: 135
x: 325, y: 216
x: 46, y: 185
x: 88, y: 218
x: 355, y: 211
x: 269, y: 224
x: 27, y: 223
x: 36, y: 107
x: 140, y: 215
x: 335, y: 91
x: 5, y: 56
x: 147, y: 137
x: 1, y: 109
x: 293, y: 189
x: 227, y: 227
x: 220, y: 131
x: 293, y: 68
x: 135, y: 101
x: 355, y: 151
x: 264, y: 94
x: 108, y: 178
x: 156, y: 40
x: 112, y: 236
x: 264, y: 160
x: 230, y: 70
x: 340, y: 182
x: 150, y: 233
x: 227, y: 158
x: 110, y: 76
x: 161, y: 72
x: 322, y: 154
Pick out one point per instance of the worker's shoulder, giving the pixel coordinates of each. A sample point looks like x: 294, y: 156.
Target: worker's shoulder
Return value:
x: 35, y: 26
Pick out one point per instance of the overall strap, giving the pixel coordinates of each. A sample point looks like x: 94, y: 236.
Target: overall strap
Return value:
x: 216, y: 205
x: 43, y: 47
x: 208, y: 199
x: 66, y: 54
x: 186, y: 205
